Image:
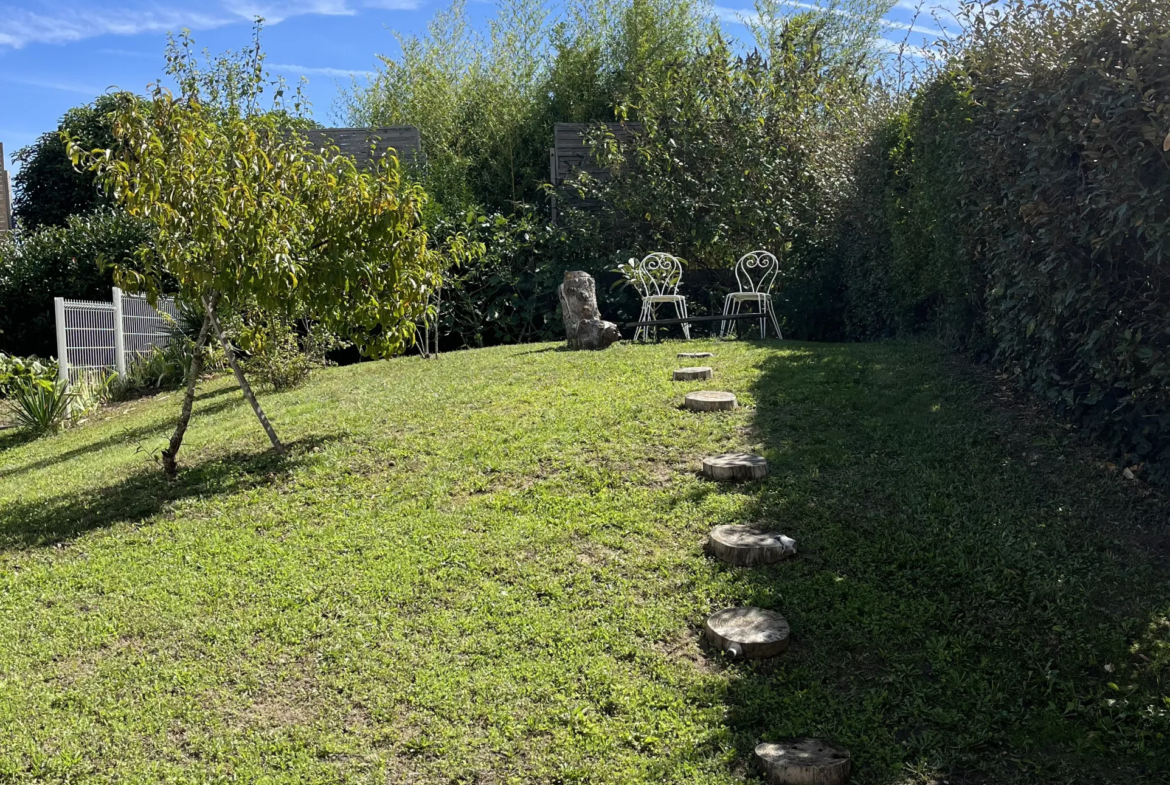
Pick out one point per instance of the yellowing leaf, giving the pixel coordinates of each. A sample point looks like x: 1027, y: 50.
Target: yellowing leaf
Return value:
x: 1166, y: 144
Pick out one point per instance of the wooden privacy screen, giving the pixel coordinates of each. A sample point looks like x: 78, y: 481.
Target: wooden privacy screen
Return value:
x: 364, y: 144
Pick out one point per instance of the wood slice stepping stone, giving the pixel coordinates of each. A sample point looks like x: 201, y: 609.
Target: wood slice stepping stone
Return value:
x: 694, y: 374
x: 747, y: 546
x: 803, y: 762
x: 694, y: 355
x: 710, y: 401
x: 748, y: 633
x: 735, y: 466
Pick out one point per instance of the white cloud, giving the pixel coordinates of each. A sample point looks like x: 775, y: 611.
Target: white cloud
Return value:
x: 275, y: 13
x: 392, y: 5
x: 62, y: 25
x: 51, y: 84
x: 316, y: 71
x: 65, y: 21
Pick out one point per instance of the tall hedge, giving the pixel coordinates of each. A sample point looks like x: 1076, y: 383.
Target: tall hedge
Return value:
x: 1022, y: 206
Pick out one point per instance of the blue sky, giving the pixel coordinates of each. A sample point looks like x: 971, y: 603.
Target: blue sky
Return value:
x: 56, y: 54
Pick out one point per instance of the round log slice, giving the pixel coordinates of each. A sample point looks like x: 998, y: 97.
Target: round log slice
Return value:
x: 710, y: 401
x: 694, y: 355
x: 803, y: 762
x: 693, y: 374
x: 748, y: 633
x: 747, y: 546
x: 735, y: 466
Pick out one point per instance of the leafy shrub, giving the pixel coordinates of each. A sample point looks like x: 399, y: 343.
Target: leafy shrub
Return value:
x: 508, y: 294
x: 284, y: 353
x: 1027, y: 204
x: 48, y: 188
x: 60, y: 261
x: 158, y: 368
x: 16, y: 370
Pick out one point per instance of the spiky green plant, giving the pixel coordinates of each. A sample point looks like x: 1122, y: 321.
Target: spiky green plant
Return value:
x: 40, y: 406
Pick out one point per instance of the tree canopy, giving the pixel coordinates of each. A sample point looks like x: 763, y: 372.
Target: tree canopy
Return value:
x: 249, y: 215
x: 48, y: 189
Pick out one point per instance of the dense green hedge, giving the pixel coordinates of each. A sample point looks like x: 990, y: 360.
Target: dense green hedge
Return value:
x: 1021, y: 207
x: 59, y: 261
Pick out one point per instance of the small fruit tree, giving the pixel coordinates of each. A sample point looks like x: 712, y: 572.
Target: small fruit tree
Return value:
x: 250, y: 216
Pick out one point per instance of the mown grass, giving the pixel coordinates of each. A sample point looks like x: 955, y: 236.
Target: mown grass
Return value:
x: 488, y: 569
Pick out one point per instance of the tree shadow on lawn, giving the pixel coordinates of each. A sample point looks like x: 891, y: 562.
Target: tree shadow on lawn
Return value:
x: 122, y: 437
x: 973, y: 596
x: 144, y: 494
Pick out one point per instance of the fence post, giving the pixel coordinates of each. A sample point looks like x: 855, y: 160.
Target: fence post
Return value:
x: 62, y: 348
x: 119, y: 336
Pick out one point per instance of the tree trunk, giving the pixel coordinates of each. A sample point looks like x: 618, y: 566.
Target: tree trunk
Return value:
x: 171, y: 453
x: 584, y: 327
x: 241, y: 379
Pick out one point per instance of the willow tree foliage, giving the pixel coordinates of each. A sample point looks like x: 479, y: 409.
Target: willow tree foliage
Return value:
x: 248, y: 215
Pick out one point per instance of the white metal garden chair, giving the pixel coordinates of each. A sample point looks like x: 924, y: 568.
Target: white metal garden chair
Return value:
x: 657, y: 278
x: 755, y: 273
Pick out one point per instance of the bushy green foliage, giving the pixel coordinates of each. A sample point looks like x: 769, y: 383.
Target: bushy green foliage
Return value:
x: 743, y: 152
x: 62, y: 261
x: 509, y: 293
x: 283, y: 352
x: 486, y: 104
x: 1027, y: 200
x: 48, y: 190
x: 15, y: 370
x: 740, y: 152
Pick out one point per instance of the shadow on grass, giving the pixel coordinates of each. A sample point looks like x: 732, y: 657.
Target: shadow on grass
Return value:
x: 144, y: 494
x: 971, y: 595
x: 121, y: 438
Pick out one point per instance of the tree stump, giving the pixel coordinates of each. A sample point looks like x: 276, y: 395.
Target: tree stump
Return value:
x: 694, y: 355
x: 710, y: 401
x: 747, y: 546
x: 694, y: 374
x: 584, y: 327
x: 735, y: 466
x: 748, y: 633
x: 803, y: 762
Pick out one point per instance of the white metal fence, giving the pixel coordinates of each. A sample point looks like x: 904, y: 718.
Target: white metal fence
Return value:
x: 96, y: 336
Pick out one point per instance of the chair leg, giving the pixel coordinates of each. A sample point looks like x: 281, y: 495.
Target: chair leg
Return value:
x: 680, y: 307
x: 763, y: 320
x: 775, y: 321
x: 643, y: 316
x: 723, y: 324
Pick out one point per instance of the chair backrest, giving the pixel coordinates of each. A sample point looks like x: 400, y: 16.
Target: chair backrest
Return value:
x: 657, y: 274
x: 757, y: 272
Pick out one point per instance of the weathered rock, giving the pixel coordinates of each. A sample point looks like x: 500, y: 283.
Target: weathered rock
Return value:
x: 735, y: 466
x: 710, y: 401
x: 803, y: 762
x: 584, y: 327
x: 694, y: 374
x: 747, y: 546
x: 748, y: 633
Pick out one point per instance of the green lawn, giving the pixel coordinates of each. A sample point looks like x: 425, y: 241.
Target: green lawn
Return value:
x: 488, y: 569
